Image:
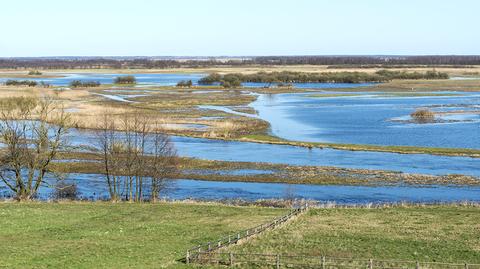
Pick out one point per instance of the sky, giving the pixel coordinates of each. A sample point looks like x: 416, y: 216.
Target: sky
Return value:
x: 238, y: 27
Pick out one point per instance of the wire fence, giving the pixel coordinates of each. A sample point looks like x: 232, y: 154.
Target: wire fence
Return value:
x: 195, y: 253
x: 209, y: 253
x: 249, y: 260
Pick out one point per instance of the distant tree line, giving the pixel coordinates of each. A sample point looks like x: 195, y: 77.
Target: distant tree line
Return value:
x: 370, y: 60
x: 84, y: 84
x: 149, y: 63
x: 101, y: 63
x: 230, y: 80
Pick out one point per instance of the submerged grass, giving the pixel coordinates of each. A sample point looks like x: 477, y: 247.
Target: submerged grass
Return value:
x: 211, y: 170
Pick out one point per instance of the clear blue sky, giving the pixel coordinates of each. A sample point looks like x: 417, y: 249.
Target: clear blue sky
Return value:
x: 238, y: 27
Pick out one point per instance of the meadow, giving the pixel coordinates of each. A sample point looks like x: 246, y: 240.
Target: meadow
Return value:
x: 424, y: 233
x: 126, y: 235
x: 122, y: 235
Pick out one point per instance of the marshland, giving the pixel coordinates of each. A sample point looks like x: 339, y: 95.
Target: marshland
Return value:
x: 227, y: 147
x: 240, y: 134
x: 223, y: 121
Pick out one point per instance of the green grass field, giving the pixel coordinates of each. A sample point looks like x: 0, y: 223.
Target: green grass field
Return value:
x: 105, y: 235
x: 440, y: 233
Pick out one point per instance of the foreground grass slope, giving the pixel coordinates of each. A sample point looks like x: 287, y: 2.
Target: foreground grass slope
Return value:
x: 105, y: 235
x: 443, y: 233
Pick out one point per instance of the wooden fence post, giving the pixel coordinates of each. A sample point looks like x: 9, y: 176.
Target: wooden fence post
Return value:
x: 231, y: 259
x: 278, y: 261
x: 229, y: 239
x: 188, y: 257
x: 370, y: 264
x: 323, y: 262
x: 417, y: 265
x: 209, y: 246
x: 466, y: 266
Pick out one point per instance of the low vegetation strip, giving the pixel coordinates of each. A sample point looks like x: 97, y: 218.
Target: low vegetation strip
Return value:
x: 461, y: 152
x: 196, y: 254
x: 327, y: 77
x: 248, y: 260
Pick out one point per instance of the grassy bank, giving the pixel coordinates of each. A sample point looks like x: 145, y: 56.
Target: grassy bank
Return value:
x: 104, y: 235
x: 212, y: 170
x: 433, y: 233
x: 259, y: 138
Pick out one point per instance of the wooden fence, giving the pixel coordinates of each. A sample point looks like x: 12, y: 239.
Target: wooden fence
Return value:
x: 198, y: 252
x: 252, y: 260
x: 209, y: 253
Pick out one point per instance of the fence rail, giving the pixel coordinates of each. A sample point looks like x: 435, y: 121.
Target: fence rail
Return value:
x: 195, y: 253
x: 249, y: 260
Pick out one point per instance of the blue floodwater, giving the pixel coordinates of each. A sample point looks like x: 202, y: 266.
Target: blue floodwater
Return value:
x: 282, y: 154
x: 164, y: 79
x: 369, y: 118
x: 93, y: 186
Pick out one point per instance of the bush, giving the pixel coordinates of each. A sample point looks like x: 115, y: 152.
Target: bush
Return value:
x: 86, y: 84
x: 185, y: 83
x: 64, y: 191
x: 29, y: 83
x: 125, y: 80
x: 34, y: 73
x: 423, y: 116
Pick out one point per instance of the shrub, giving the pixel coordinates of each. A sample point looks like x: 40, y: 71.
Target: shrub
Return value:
x: 79, y: 83
x: 34, y: 73
x: 64, y: 191
x: 29, y: 83
x: 185, y: 83
x: 125, y: 80
x: 423, y: 116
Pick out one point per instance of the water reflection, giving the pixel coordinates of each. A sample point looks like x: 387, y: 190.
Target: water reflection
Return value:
x: 93, y: 186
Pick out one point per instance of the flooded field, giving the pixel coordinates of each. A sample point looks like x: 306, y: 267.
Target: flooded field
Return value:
x: 318, y: 115
x: 93, y: 186
x: 212, y: 149
x: 165, y: 79
x: 373, y: 118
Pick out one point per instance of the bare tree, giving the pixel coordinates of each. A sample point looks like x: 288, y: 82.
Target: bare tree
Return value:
x: 137, y: 157
x: 33, y: 131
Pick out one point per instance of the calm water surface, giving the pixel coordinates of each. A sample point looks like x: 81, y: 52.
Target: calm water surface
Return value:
x: 93, y: 186
x: 211, y: 149
x: 370, y: 119
x: 164, y: 79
